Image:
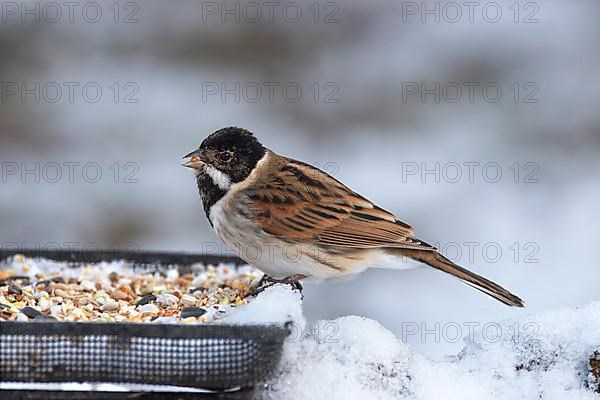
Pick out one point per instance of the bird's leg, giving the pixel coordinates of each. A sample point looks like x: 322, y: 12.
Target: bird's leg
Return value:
x: 294, y: 280
x: 268, y: 281
x: 265, y: 280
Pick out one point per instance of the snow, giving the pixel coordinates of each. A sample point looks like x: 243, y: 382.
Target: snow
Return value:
x: 275, y: 305
x: 31, y: 267
x: 541, y: 356
x: 348, y: 358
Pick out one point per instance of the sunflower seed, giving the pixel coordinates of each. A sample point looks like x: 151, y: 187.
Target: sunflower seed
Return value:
x: 31, y: 312
x: 145, y: 300
x: 187, y: 312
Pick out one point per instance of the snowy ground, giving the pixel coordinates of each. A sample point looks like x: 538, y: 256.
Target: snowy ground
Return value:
x: 542, y: 356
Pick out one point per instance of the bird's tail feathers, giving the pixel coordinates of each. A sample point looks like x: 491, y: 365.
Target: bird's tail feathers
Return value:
x: 438, y: 261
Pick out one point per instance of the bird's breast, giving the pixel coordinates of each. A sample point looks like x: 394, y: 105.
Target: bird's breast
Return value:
x: 231, y: 219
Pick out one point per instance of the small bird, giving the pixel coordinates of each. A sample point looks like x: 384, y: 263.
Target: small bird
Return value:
x: 293, y: 221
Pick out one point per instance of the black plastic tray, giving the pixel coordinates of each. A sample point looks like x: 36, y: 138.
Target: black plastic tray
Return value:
x: 211, y: 356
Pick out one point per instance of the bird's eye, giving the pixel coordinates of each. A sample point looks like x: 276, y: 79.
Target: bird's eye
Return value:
x: 225, y: 156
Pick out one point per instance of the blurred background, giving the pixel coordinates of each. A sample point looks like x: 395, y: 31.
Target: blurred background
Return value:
x: 476, y: 123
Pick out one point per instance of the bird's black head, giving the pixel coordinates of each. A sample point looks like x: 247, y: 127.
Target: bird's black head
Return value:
x: 229, y: 155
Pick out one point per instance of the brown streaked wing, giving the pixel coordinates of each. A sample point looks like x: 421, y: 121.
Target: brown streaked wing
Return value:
x: 298, y: 201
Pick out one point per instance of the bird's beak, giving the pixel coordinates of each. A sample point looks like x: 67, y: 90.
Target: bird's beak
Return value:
x: 195, y: 159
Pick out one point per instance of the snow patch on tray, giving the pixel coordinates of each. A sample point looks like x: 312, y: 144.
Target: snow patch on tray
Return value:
x: 277, y: 304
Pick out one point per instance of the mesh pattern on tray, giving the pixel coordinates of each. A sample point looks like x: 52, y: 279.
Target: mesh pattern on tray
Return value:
x: 194, y: 356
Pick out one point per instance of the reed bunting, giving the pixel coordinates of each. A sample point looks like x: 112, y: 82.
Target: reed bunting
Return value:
x: 294, y: 221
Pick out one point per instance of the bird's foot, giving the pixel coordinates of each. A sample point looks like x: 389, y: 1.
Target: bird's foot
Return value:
x: 267, y: 281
